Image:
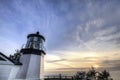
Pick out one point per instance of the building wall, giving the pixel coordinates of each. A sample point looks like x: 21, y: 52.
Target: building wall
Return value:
x: 25, y: 59
x: 8, y: 71
x: 15, y: 69
x: 42, y: 67
x: 32, y: 67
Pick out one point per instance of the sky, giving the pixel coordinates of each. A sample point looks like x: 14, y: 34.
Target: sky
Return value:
x: 79, y: 33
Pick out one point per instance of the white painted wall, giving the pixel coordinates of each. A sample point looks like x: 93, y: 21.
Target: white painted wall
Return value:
x: 32, y: 68
x: 42, y: 67
x: 25, y: 59
x: 15, y: 69
x: 8, y: 72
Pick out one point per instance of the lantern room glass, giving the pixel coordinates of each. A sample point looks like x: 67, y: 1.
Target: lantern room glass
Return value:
x: 35, y: 43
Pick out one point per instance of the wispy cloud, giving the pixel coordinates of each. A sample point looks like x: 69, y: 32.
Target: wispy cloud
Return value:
x: 53, y: 61
x: 76, y: 31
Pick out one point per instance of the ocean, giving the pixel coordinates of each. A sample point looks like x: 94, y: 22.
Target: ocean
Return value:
x: 115, y: 75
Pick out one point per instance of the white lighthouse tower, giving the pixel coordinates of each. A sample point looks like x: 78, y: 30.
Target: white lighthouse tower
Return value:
x: 32, y: 58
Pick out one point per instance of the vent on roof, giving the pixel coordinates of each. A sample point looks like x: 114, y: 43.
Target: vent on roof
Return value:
x: 1, y: 59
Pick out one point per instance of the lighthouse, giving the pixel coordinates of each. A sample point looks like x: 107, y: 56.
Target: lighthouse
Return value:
x: 32, y: 58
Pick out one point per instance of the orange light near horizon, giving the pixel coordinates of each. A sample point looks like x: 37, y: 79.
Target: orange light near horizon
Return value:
x: 96, y: 66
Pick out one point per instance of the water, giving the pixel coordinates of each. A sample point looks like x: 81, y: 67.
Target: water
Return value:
x: 115, y: 75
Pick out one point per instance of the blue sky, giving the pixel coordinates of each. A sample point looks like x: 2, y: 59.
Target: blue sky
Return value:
x: 83, y: 32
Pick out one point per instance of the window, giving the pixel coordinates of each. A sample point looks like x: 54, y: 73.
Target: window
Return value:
x: 35, y: 42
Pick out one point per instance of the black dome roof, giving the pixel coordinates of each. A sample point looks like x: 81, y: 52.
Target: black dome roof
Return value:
x: 36, y: 35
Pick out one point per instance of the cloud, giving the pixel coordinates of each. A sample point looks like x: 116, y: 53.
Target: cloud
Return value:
x: 53, y: 61
x: 19, y: 18
x: 77, y: 31
x: 90, y: 33
x: 74, y: 25
x: 111, y: 62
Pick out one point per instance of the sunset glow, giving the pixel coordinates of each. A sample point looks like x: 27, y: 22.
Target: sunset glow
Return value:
x: 96, y: 66
x: 79, y: 33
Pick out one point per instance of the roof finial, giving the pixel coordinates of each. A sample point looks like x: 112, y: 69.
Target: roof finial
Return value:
x: 37, y: 32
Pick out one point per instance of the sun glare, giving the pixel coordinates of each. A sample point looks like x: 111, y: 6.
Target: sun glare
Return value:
x: 96, y: 66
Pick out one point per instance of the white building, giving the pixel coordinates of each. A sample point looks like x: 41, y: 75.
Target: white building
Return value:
x: 28, y: 66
